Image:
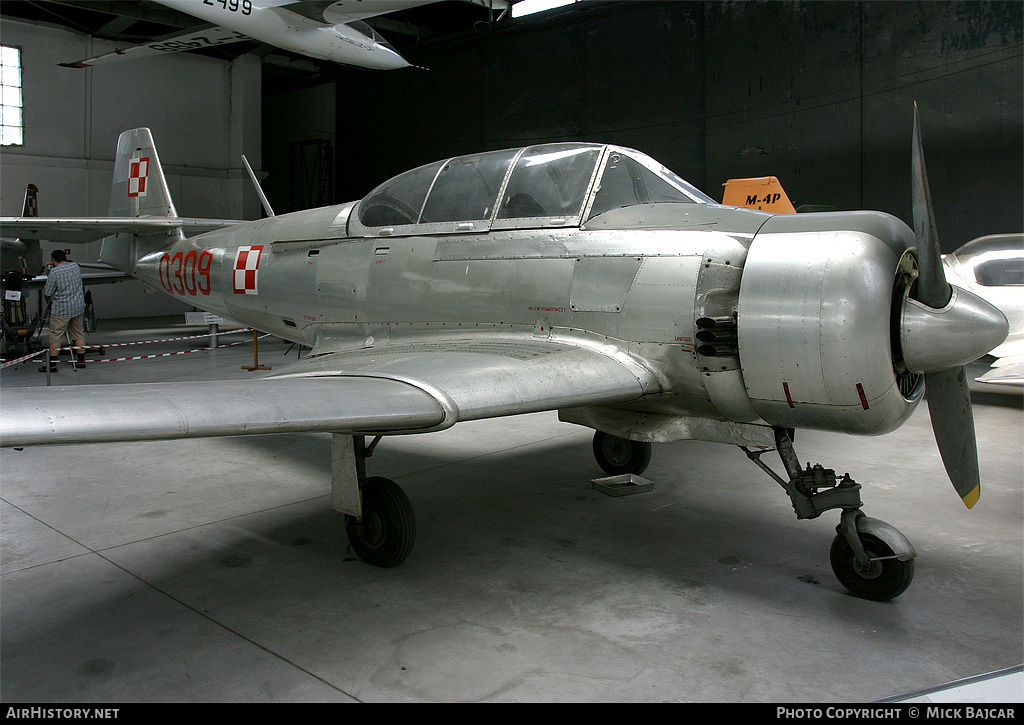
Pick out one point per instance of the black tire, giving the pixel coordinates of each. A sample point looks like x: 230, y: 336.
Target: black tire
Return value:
x: 617, y: 456
x: 882, y: 580
x: 386, y: 534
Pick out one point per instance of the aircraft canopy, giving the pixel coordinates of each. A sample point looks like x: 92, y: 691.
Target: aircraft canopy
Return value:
x: 997, y: 260
x: 558, y: 184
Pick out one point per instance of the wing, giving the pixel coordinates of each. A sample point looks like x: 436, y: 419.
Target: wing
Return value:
x: 193, y: 39
x: 399, y: 389
x: 330, y: 12
x: 1007, y: 370
x: 333, y: 12
x: 89, y: 229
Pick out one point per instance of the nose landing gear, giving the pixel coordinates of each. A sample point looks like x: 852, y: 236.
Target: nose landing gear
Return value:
x: 869, y: 557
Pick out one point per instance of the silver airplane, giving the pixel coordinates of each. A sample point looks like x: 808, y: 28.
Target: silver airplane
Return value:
x: 332, y: 31
x: 992, y: 267
x: 577, y: 277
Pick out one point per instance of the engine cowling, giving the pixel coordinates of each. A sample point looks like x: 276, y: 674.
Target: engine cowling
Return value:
x: 818, y: 322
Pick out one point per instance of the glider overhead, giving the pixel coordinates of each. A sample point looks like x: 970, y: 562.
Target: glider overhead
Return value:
x: 332, y: 31
x: 583, y: 278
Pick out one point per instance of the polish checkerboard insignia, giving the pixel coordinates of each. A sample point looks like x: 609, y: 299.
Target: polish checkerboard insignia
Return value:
x: 247, y: 265
x: 138, y: 171
x: 31, y: 200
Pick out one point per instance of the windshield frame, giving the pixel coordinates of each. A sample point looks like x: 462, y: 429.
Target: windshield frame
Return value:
x: 666, y: 174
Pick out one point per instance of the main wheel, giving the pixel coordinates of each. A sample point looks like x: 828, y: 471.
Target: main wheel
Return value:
x: 385, y: 535
x: 879, y: 581
x: 618, y: 455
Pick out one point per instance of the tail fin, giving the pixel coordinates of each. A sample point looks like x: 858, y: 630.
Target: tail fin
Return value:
x: 24, y: 254
x: 31, y: 205
x: 762, y: 192
x: 138, y: 189
x: 31, y: 259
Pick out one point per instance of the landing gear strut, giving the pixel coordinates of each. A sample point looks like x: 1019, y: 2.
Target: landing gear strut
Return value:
x: 379, y: 519
x: 869, y: 557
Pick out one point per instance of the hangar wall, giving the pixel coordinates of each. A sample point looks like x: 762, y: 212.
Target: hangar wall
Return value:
x: 819, y: 94
x: 292, y: 117
x: 204, y: 113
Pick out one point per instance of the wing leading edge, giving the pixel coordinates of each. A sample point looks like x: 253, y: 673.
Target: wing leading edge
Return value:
x: 412, y: 389
x: 158, y: 411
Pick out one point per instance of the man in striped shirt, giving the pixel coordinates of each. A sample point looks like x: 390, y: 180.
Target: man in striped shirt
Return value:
x: 67, y: 306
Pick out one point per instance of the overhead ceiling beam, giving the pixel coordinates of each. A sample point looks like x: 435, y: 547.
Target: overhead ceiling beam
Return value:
x: 150, y: 12
x: 400, y: 27
x: 116, y: 26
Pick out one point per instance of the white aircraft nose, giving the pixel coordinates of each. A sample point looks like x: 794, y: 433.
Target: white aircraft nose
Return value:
x: 389, y: 59
x: 940, y: 339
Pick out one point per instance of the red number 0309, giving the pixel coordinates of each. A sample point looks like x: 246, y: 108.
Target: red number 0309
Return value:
x: 186, y: 273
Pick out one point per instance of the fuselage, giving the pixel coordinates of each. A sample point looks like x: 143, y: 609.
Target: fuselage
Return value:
x: 635, y: 287
x: 337, y: 43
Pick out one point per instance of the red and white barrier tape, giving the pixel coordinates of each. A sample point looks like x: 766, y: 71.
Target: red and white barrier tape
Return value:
x: 167, y: 339
x: 177, y: 352
x: 8, y: 363
x: 30, y: 356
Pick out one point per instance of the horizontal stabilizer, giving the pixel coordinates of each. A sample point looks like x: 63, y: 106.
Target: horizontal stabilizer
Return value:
x: 91, y: 229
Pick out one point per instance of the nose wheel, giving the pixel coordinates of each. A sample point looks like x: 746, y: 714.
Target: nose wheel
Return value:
x: 881, y: 578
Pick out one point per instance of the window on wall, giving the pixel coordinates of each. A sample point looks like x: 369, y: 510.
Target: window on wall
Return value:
x: 10, y: 111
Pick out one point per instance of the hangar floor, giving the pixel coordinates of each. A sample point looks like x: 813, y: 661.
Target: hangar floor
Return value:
x: 214, y: 570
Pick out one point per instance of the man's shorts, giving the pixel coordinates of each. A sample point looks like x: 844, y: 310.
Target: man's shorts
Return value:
x: 60, y: 325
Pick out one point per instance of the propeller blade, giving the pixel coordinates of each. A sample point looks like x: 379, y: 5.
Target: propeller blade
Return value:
x: 932, y: 288
x: 949, y: 405
x: 949, y: 398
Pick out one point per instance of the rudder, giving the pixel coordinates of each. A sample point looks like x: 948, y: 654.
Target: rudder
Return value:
x: 761, y: 192
x: 138, y: 189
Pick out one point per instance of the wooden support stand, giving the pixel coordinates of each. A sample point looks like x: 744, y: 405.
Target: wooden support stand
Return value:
x: 255, y: 357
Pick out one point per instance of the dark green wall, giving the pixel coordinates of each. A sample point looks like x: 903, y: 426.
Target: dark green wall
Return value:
x: 819, y: 94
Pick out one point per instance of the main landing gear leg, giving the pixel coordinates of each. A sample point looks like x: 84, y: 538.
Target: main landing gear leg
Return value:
x: 869, y: 557
x: 379, y: 519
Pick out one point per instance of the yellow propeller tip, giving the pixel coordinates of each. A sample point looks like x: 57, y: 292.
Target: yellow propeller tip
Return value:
x: 972, y: 497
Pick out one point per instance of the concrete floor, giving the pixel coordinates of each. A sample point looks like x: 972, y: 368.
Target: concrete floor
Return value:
x: 214, y: 570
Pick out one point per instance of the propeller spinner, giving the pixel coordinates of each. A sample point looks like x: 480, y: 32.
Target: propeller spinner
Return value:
x: 943, y: 328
